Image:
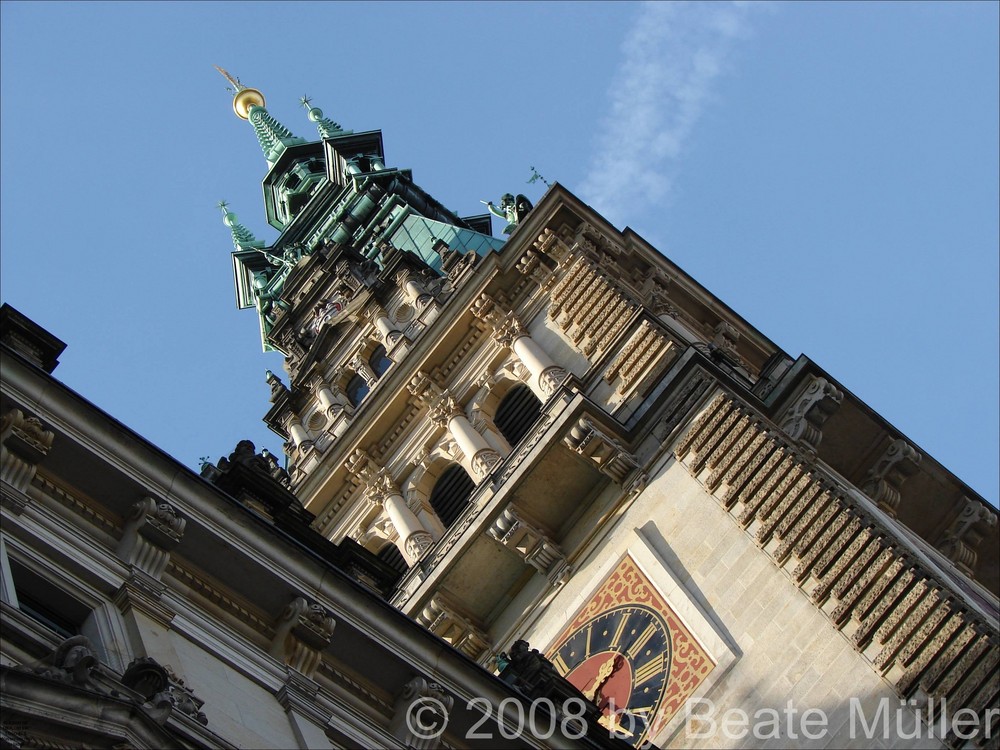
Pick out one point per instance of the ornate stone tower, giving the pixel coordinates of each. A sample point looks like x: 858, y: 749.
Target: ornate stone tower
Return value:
x: 562, y: 437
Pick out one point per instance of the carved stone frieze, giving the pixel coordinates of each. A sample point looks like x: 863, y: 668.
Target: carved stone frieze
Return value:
x: 301, y: 634
x: 153, y: 529
x: 804, y: 420
x: 888, y: 474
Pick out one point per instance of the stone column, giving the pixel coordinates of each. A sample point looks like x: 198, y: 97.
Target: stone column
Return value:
x: 388, y: 334
x: 411, y: 537
x: 546, y: 375
x: 298, y: 434
x: 447, y: 413
x: 330, y: 402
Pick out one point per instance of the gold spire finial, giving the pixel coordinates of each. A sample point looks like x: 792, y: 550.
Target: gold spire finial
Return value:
x: 244, y: 97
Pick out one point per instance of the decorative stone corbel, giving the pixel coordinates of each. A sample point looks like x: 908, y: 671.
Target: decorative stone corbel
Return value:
x: 24, y: 442
x: 532, y: 544
x: 608, y: 454
x: 163, y: 690
x: 153, y: 529
x: 888, y: 474
x: 303, y: 631
x: 72, y: 662
x: 442, y: 619
x: 726, y: 336
x: 423, y: 388
x: 804, y: 420
x: 420, y: 714
x: 960, y: 542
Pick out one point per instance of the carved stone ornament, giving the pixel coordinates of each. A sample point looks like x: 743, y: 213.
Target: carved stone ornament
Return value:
x: 551, y: 378
x: 418, y: 543
x: 888, y: 474
x: 805, y: 419
x: 24, y: 442
x: 508, y: 329
x: 380, y: 486
x: 72, y: 662
x: 485, y: 461
x: 303, y: 631
x: 532, y: 544
x: 164, y: 692
x: 607, y: 453
x: 443, y: 409
x: 441, y: 618
x: 420, y: 714
x: 960, y: 543
x: 153, y: 529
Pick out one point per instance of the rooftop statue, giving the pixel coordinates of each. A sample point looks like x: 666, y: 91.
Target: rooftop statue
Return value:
x: 511, y: 209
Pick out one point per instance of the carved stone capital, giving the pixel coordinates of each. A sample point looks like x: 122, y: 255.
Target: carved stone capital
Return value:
x: 888, y: 474
x: 805, y: 419
x: 443, y: 409
x: 24, y: 442
x: 508, y: 329
x: 380, y: 486
x: 303, y: 631
x: 153, y: 529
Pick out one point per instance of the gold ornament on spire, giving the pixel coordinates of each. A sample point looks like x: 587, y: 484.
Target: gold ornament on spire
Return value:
x: 244, y: 97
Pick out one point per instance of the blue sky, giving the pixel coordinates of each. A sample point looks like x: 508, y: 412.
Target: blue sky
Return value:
x: 829, y: 170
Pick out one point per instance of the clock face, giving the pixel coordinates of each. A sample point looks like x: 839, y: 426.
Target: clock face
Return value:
x: 628, y: 652
x: 620, y: 660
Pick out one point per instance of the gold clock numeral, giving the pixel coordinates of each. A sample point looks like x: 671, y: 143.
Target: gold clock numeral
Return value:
x: 590, y: 632
x: 649, y: 670
x: 640, y: 642
x: 559, y: 664
x: 619, y: 630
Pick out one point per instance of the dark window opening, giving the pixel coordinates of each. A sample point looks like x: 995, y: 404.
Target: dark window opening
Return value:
x: 46, y: 603
x: 516, y: 414
x: 391, y: 555
x: 451, y: 494
x: 357, y: 389
x: 379, y: 362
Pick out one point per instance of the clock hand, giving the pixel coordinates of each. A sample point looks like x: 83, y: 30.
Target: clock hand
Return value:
x: 606, y: 670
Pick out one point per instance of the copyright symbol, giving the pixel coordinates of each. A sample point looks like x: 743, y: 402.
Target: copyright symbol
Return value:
x: 426, y: 718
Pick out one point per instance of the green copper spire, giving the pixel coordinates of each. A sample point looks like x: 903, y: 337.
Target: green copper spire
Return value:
x: 327, y: 127
x: 249, y: 105
x: 243, y: 238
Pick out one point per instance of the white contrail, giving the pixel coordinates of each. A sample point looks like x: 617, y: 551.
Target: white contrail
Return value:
x: 672, y: 55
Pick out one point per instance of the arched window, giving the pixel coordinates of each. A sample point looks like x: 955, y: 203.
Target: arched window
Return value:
x: 518, y: 411
x: 357, y: 389
x: 379, y: 362
x: 391, y: 555
x: 451, y: 494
